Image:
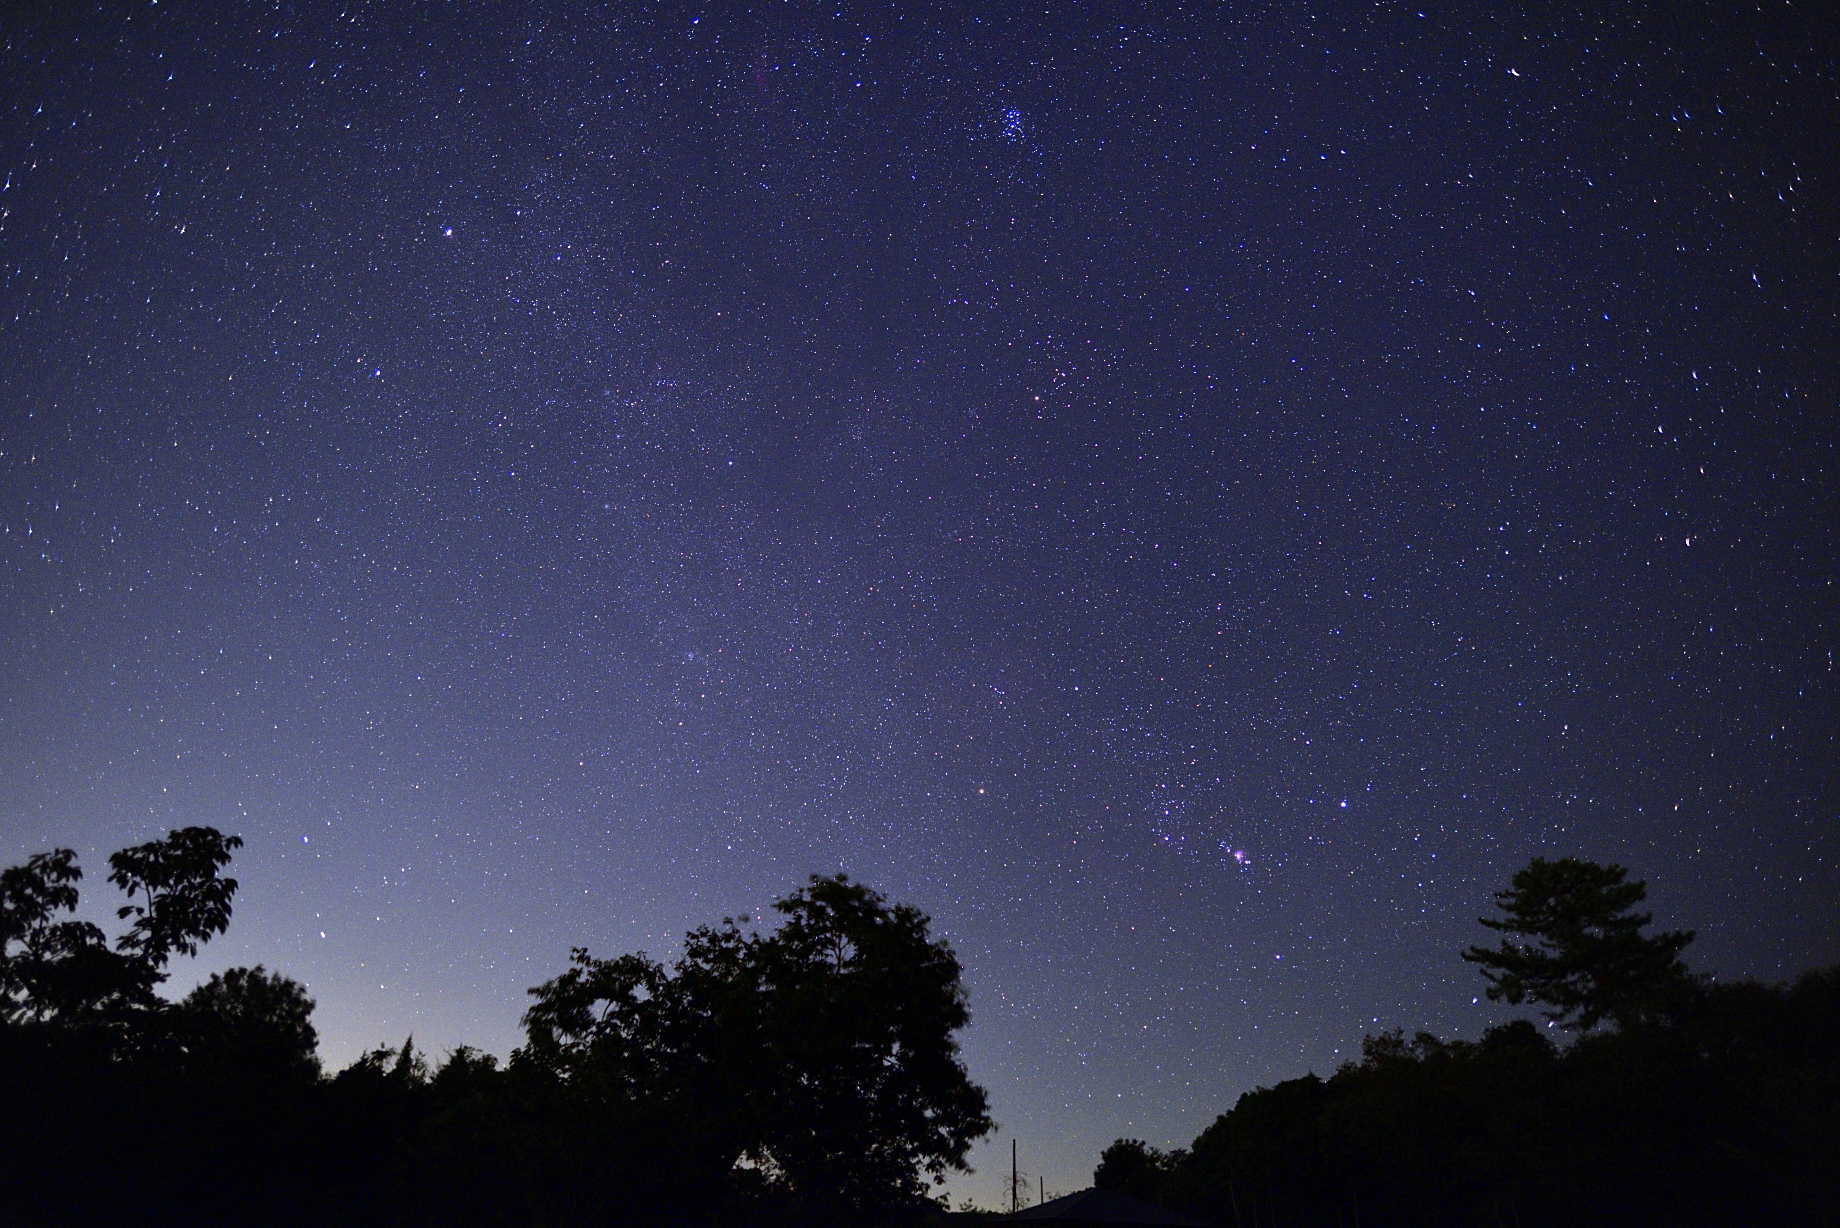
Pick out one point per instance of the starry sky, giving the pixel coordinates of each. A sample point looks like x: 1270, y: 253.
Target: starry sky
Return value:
x: 1193, y: 497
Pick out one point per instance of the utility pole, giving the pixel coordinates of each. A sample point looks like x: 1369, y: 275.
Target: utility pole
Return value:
x: 1012, y: 1176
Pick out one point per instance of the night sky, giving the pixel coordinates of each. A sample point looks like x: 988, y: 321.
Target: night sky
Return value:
x: 1192, y: 498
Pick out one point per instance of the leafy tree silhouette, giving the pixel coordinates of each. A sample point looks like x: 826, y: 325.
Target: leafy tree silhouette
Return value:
x: 254, y: 1024
x: 88, y: 1044
x: 48, y: 968
x: 186, y: 899
x: 1588, y: 959
x: 1719, y: 1108
x: 1134, y: 1167
x: 820, y: 1058
x: 63, y: 972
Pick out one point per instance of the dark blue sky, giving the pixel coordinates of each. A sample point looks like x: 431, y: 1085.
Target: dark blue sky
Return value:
x: 1194, y: 498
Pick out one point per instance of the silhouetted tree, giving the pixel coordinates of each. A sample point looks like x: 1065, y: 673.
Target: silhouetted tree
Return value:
x: 1587, y: 960
x: 31, y: 896
x: 55, y: 970
x: 177, y: 896
x: 1134, y: 1167
x: 1719, y: 1109
x: 255, y: 1022
x: 63, y: 973
x: 488, y: 1150
x: 86, y: 1042
x: 820, y: 1058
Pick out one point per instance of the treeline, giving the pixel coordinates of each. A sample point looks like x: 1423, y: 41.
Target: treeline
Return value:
x: 1677, y: 1100
x: 805, y: 1075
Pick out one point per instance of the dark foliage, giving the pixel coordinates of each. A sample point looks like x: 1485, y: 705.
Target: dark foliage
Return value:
x: 1132, y: 1166
x: 55, y: 970
x: 808, y: 1075
x: 814, y: 1065
x: 176, y: 895
x: 1581, y: 951
x: 249, y: 1023
x: 1725, y: 1115
x: 1707, y: 1104
x: 123, y: 1105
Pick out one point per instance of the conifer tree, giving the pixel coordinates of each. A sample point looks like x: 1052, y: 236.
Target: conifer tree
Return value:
x: 1575, y: 946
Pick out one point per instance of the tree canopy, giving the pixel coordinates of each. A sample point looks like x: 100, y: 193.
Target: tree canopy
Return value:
x: 1134, y: 1167
x: 65, y: 971
x: 1575, y: 945
x: 1709, y: 1103
x: 255, y: 1022
x: 820, y: 1057
x: 807, y: 1072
